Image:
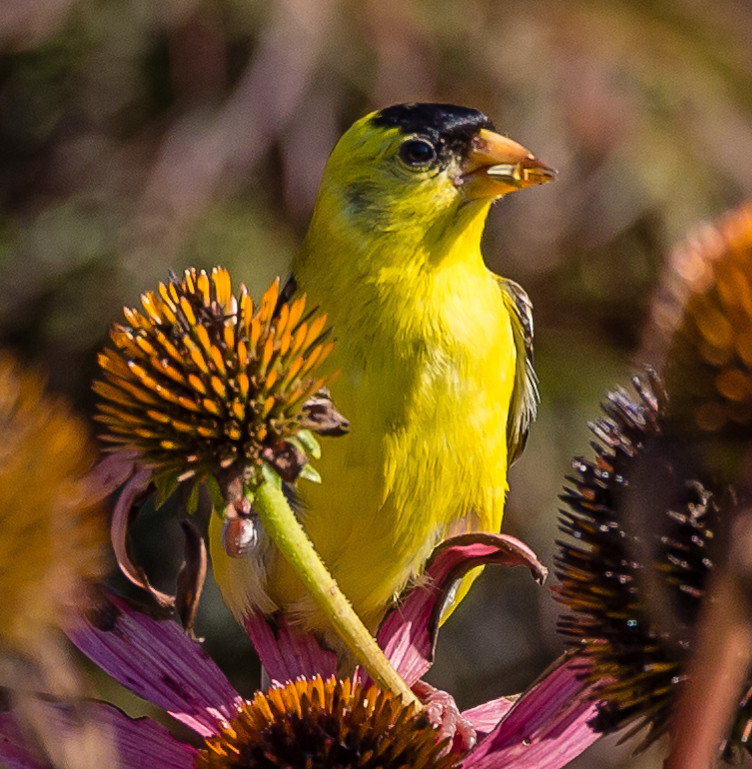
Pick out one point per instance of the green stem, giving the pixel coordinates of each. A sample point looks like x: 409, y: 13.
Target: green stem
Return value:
x: 292, y: 541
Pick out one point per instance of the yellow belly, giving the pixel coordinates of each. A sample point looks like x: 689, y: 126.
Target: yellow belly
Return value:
x: 426, y: 457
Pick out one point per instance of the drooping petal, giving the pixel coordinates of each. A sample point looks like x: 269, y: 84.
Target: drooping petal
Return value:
x: 287, y: 654
x: 137, y: 484
x: 111, y: 472
x: 408, y: 634
x: 546, y: 728
x: 158, y: 661
x: 131, y: 744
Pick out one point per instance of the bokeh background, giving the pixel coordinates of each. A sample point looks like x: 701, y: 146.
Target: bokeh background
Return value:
x: 138, y: 137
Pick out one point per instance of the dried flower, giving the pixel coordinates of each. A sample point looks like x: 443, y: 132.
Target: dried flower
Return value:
x: 203, y: 386
x: 634, y: 567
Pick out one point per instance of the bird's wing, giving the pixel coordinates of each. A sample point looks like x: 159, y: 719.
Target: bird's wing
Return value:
x: 525, y: 396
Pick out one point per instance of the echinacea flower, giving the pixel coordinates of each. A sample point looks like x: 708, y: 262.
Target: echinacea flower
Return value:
x: 641, y: 524
x: 318, y: 720
x: 703, y: 316
x: 201, y: 380
x: 52, y: 532
x: 202, y: 386
x: 53, y: 536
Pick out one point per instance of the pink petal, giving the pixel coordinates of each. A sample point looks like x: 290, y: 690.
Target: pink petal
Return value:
x: 287, y: 653
x: 485, y: 717
x: 408, y: 634
x: 14, y: 754
x: 158, y: 661
x: 110, y: 473
x: 137, y: 743
x: 546, y: 728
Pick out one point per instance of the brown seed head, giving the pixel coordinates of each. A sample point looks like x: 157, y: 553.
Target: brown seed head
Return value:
x: 200, y: 380
x: 317, y: 723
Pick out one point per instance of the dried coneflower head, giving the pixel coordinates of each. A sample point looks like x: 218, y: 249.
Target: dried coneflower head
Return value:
x: 704, y: 316
x: 317, y: 723
x: 634, y: 565
x: 201, y: 380
x: 52, y: 532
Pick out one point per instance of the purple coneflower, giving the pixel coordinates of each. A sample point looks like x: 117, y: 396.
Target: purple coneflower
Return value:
x: 309, y: 718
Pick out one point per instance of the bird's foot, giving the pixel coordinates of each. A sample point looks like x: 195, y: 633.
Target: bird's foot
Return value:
x: 443, y: 712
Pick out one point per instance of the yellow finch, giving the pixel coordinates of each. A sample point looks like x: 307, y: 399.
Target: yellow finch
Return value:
x: 434, y: 351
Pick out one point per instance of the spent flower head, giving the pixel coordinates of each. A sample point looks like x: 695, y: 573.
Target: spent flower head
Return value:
x: 641, y: 524
x: 201, y: 381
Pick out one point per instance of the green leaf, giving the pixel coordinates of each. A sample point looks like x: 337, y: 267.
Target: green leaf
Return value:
x: 191, y: 503
x: 306, y: 440
x: 166, y: 485
x: 310, y: 473
x: 215, y: 492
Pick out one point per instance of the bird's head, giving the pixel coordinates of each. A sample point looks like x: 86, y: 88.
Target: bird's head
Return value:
x: 421, y: 169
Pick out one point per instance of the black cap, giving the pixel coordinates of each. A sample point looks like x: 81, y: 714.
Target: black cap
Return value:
x: 450, y: 128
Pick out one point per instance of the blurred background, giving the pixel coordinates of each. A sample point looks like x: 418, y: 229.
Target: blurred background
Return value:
x: 138, y: 137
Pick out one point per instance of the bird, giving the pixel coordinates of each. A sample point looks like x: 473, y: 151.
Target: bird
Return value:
x: 433, y: 353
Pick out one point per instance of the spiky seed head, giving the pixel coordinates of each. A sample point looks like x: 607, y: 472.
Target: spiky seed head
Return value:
x: 200, y: 380
x: 317, y: 723
x: 633, y: 566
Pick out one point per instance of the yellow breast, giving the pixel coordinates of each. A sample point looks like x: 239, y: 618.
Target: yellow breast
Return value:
x: 426, y: 384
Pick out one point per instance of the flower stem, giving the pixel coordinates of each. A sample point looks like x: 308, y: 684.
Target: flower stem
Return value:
x: 292, y: 541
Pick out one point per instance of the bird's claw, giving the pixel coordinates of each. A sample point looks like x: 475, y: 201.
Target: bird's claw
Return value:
x: 444, y: 714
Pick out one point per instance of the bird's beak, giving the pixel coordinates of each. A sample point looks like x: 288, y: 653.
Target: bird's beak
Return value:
x: 496, y: 165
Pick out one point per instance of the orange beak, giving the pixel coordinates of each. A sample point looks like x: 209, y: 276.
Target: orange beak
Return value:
x: 496, y: 165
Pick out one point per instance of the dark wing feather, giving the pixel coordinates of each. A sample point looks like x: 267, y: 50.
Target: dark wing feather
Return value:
x: 525, y: 398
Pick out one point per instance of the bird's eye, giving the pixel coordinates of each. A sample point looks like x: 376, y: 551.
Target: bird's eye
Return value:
x: 417, y: 153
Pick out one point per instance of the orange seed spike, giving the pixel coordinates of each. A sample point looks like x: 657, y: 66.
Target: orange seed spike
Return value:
x: 216, y: 355
x: 211, y: 406
x: 223, y: 285
x: 315, y: 329
x: 197, y: 384
x: 284, y: 343
x: 298, y: 339
x: 218, y: 386
x: 246, y: 313
x: 204, y: 288
x: 281, y: 322
x: 165, y: 367
x: 228, y: 335
x: 242, y: 353
x: 269, y: 300
x: 202, y: 335
x: 114, y: 394
x: 190, y: 316
x: 188, y: 404
x: 296, y: 310
x: 255, y: 335
x: 266, y: 356
x: 244, y: 384
x: 268, y: 403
